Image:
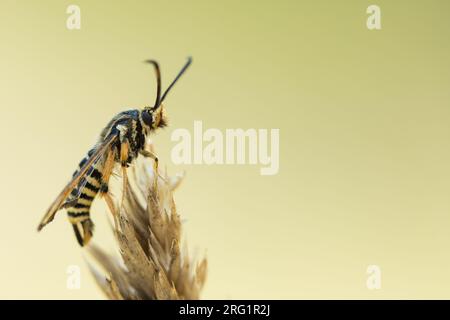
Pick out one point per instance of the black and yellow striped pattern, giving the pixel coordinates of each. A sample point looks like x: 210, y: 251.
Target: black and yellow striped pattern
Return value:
x: 79, y: 213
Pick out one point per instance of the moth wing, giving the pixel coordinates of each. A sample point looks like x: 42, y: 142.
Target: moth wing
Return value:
x: 76, y: 191
x: 65, y: 193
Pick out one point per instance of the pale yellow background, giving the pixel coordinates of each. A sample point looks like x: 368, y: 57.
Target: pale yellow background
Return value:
x: 364, y: 123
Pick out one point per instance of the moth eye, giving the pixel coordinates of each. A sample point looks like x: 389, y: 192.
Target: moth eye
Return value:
x: 147, y: 117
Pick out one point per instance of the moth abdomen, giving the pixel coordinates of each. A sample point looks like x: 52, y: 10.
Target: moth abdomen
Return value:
x: 79, y: 212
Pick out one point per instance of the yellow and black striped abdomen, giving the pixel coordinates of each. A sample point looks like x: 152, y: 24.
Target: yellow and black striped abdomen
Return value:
x: 85, y: 193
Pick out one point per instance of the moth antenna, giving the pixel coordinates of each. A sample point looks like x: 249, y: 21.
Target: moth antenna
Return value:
x: 189, y: 60
x: 158, y: 81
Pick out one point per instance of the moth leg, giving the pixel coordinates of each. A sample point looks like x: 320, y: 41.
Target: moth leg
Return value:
x: 107, y: 171
x: 124, y: 153
x: 123, y: 156
x: 150, y: 154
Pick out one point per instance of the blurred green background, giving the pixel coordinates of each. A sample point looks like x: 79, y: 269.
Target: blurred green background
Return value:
x: 364, y: 129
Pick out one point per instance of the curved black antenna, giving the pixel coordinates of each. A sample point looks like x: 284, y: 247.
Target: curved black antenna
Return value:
x: 158, y: 81
x: 176, y: 79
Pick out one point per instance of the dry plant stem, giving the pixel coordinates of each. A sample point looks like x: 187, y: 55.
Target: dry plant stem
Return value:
x: 147, y: 228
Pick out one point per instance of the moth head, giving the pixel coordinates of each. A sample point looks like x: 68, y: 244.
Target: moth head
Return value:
x: 155, y: 117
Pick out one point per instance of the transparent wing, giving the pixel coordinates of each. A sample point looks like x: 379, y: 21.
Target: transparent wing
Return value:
x: 65, y: 193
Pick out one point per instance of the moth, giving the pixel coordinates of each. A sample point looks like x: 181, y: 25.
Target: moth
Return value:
x: 120, y: 142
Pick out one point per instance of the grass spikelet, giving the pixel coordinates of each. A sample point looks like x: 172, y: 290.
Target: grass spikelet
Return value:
x: 147, y: 230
